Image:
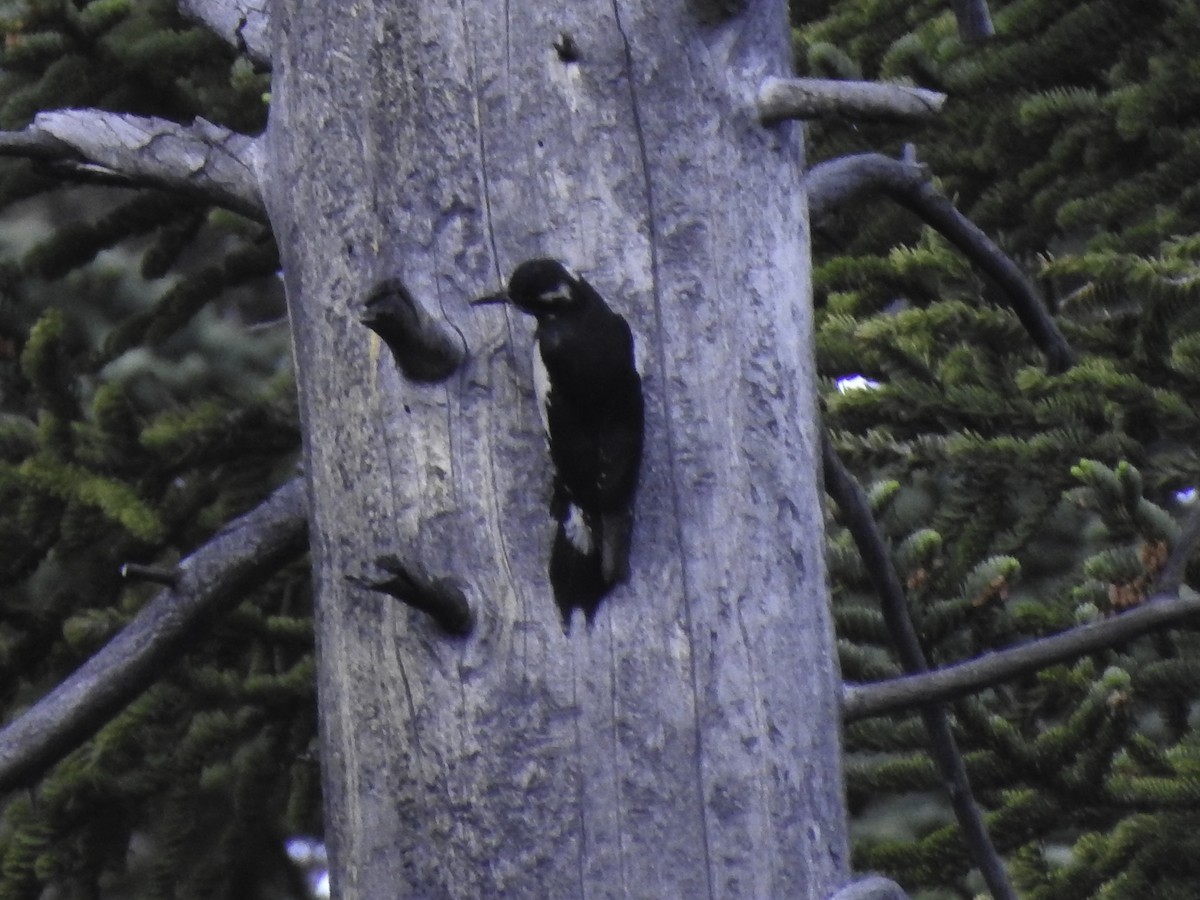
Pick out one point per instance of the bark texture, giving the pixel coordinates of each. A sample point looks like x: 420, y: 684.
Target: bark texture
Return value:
x: 202, y: 160
x: 685, y: 745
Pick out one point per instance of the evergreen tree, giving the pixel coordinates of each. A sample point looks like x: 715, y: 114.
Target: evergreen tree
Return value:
x: 145, y: 399
x: 1020, y: 503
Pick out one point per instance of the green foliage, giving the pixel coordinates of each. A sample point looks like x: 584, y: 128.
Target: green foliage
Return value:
x: 145, y: 399
x: 1022, y: 503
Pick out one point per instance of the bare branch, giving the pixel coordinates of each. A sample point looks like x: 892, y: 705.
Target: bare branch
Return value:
x: 204, y: 160
x: 213, y: 579
x: 424, y: 346
x: 242, y: 23
x: 838, y: 182
x: 818, y: 98
x: 1160, y: 611
x: 974, y: 21
x: 442, y: 599
x: 35, y: 145
x: 855, y: 511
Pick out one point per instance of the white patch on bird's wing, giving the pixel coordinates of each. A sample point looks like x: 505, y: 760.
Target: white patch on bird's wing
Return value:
x: 576, y: 529
x: 541, y: 388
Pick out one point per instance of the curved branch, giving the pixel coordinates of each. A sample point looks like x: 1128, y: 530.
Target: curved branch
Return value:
x: 203, y: 160
x: 213, y: 579
x: 819, y: 98
x: 242, y: 23
x: 840, y: 181
x: 861, y: 701
x: 855, y: 510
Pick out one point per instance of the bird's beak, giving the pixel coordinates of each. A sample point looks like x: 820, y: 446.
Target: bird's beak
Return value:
x: 489, y: 299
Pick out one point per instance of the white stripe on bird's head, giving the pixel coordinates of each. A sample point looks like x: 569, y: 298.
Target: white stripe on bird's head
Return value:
x: 560, y: 294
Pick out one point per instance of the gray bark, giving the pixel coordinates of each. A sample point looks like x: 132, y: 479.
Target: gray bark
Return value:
x: 818, y: 98
x: 243, y: 23
x: 685, y: 745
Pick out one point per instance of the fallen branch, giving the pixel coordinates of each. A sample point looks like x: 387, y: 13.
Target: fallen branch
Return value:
x: 242, y: 23
x: 861, y: 701
x: 819, y: 98
x: 203, y: 160
x: 213, y: 579
x: 840, y: 181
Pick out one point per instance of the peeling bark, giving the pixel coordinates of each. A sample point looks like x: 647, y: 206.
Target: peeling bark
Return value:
x: 202, y: 160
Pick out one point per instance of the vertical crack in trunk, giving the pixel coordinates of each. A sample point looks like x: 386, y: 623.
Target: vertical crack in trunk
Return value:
x: 668, y: 434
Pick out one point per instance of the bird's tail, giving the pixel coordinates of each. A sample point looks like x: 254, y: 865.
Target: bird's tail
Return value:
x: 616, y: 530
x: 589, y: 556
x: 575, y: 574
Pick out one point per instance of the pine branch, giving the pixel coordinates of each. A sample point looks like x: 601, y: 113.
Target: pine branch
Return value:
x: 243, y: 23
x: 843, y: 180
x: 1164, y: 610
x: 819, y: 98
x: 203, y: 160
x: 855, y: 510
x: 213, y: 579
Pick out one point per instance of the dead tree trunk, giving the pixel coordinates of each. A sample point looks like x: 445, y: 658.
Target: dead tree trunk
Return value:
x: 686, y: 744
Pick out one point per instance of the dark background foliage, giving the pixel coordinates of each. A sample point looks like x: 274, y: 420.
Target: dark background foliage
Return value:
x: 1020, y: 503
x: 145, y: 399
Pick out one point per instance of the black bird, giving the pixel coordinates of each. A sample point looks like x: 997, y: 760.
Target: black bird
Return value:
x: 590, y: 397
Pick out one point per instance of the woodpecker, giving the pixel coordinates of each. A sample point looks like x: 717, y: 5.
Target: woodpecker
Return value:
x: 590, y: 398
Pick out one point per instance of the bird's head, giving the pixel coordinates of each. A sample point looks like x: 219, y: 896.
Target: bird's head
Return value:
x: 540, y: 287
